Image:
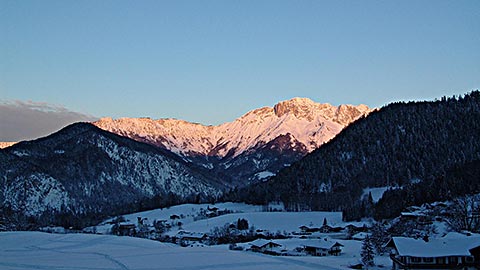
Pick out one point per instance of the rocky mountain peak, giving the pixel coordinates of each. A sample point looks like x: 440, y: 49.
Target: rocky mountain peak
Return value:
x: 302, y: 108
x: 307, y: 109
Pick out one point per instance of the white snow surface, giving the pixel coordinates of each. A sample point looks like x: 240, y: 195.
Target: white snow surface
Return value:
x: 36, y: 250
x: 48, y: 194
x: 268, y: 221
x: 377, y: 192
x: 187, y: 212
x: 453, y: 244
x: 190, y: 210
x: 264, y: 174
x: 310, y: 123
x: 271, y: 221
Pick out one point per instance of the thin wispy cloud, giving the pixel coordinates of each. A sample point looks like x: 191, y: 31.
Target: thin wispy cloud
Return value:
x: 26, y: 120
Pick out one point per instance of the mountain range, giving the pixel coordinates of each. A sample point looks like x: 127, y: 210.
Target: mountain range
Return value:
x: 310, y: 156
x: 82, y: 173
x: 254, y: 146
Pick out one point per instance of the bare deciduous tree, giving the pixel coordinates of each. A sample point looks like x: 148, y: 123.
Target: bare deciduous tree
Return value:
x: 465, y: 214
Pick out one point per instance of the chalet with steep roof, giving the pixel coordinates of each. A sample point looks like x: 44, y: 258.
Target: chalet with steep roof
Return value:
x: 265, y: 246
x: 323, y: 247
x: 453, y: 251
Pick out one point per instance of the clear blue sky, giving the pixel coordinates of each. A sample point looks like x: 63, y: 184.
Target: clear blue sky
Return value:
x: 211, y: 61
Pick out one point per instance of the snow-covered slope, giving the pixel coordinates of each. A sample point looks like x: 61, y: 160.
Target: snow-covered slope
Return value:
x: 308, y: 122
x: 265, y: 139
x: 6, y: 144
x: 271, y: 221
x: 35, y: 250
x: 83, y: 170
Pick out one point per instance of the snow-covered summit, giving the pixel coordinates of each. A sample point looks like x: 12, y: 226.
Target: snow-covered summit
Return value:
x: 307, y: 122
x: 6, y: 144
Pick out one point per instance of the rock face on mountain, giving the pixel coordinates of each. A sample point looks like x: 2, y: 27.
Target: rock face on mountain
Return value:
x: 259, y: 143
x: 83, y: 170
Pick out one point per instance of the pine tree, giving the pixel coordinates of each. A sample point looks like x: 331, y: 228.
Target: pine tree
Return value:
x: 379, y: 237
x: 367, y: 252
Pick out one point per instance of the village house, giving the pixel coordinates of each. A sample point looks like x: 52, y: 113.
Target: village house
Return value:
x: 212, y: 212
x: 187, y: 238
x: 212, y: 208
x: 126, y: 229
x: 323, y: 247
x: 353, y: 229
x: 265, y: 246
x: 306, y: 229
x: 324, y: 229
x: 194, y: 237
x: 453, y: 251
x: 173, y: 217
x: 419, y: 218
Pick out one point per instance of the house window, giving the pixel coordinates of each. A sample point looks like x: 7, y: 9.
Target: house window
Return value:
x: 416, y: 259
x: 428, y: 260
x: 441, y: 260
x: 469, y: 259
x: 453, y: 260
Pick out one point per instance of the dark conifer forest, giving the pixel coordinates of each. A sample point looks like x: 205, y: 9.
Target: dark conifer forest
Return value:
x: 430, y: 149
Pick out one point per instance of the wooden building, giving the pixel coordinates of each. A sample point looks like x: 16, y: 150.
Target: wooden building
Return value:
x: 453, y: 251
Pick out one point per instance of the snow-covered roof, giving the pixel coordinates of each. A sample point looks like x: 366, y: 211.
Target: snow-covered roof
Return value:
x: 451, y: 245
x: 191, y: 235
x: 125, y: 223
x: 262, y: 243
x: 323, y: 244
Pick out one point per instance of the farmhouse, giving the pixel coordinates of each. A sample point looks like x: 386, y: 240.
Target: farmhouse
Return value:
x: 126, y: 229
x: 191, y: 236
x: 212, y: 212
x: 416, y: 216
x: 265, y: 246
x: 173, y: 217
x: 453, y: 251
x: 355, y: 228
x: 324, y: 229
x: 308, y: 229
x: 323, y: 247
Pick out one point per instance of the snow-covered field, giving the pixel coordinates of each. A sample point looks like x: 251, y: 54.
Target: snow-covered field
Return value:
x: 270, y: 221
x: 186, y: 212
x: 36, y: 250
x: 189, y: 210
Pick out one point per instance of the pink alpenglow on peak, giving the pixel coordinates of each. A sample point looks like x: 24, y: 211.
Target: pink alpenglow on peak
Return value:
x: 6, y: 144
x: 306, y: 121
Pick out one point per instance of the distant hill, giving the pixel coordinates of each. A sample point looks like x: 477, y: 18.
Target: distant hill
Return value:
x: 83, y: 173
x: 399, y: 144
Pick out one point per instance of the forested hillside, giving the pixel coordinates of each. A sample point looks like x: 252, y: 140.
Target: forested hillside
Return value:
x: 458, y: 181
x: 82, y: 174
x: 399, y: 144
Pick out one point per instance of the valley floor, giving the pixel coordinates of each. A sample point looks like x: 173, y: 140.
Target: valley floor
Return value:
x: 36, y: 250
